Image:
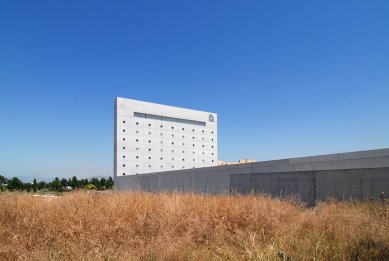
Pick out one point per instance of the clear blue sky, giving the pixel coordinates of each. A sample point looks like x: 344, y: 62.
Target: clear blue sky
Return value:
x: 287, y: 78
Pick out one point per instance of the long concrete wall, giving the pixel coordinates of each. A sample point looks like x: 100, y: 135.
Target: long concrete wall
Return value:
x: 355, y: 175
x: 313, y: 186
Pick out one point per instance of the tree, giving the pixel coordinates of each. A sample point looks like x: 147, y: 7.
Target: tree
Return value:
x: 34, y: 185
x: 64, y: 182
x: 41, y: 185
x: 96, y: 182
x: 15, y: 184
x: 83, y: 182
x: 27, y: 186
x: 103, y: 183
x: 110, y: 183
x: 56, y: 185
x: 3, y: 180
x: 74, y: 183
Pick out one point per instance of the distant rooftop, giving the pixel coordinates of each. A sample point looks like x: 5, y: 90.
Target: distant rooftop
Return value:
x: 241, y: 161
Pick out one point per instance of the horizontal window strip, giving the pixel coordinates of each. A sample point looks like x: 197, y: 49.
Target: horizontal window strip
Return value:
x: 170, y: 119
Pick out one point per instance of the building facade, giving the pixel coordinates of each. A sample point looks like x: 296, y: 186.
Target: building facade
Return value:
x: 152, y: 137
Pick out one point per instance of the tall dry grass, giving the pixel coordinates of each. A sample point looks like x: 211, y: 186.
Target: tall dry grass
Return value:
x: 143, y: 226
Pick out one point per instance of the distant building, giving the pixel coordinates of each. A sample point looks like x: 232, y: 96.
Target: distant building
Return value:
x: 242, y: 161
x: 151, y: 137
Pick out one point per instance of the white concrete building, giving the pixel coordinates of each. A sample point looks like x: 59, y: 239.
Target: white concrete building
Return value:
x: 151, y: 137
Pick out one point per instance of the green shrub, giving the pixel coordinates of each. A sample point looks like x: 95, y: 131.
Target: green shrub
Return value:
x: 91, y: 187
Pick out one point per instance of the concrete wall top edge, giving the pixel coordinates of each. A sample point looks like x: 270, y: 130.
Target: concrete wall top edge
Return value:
x: 342, y: 156
x: 235, y: 166
x: 376, y: 162
x: 364, y: 154
x: 270, y: 163
x: 310, y: 159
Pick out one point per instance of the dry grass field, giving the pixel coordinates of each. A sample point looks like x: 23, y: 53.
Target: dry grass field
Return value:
x: 163, y: 226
